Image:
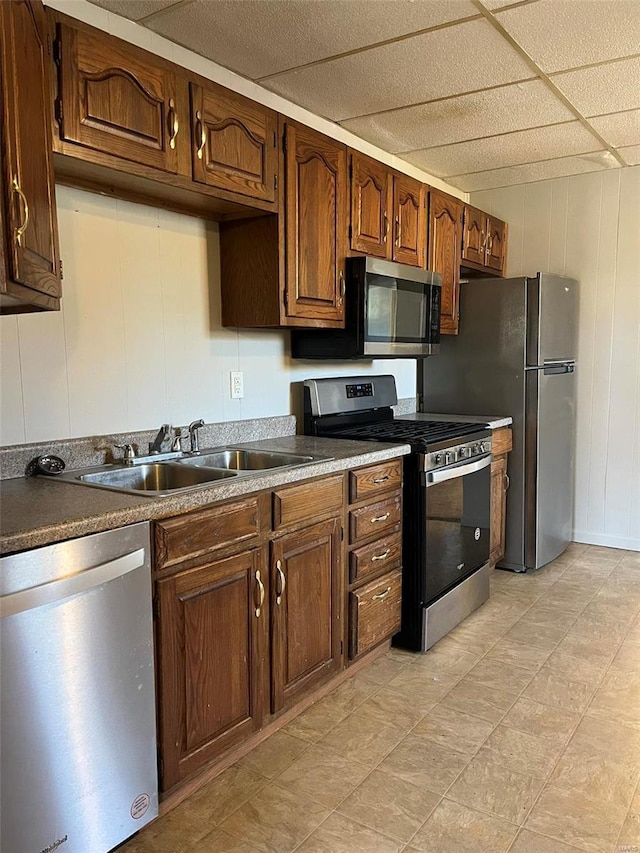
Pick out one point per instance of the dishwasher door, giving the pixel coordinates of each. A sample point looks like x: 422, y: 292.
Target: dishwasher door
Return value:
x: 78, y: 767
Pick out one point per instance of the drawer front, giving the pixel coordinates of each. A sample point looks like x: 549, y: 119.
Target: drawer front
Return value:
x: 187, y: 536
x: 369, y: 482
x: 374, y: 612
x: 372, y: 520
x: 501, y: 441
x: 307, y: 502
x: 383, y: 554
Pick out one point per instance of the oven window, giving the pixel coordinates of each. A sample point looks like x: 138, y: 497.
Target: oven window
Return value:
x: 396, y: 309
x: 457, y: 530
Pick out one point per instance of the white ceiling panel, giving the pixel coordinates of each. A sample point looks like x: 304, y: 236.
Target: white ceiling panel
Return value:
x: 134, y: 9
x: 528, y: 173
x: 444, y: 62
x: 525, y: 146
x: 604, y: 89
x: 619, y: 128
x: 499, y: 4
x: 630, y: 154
x: 495, y: 111
x: 561, y: 34
x: 261, y: 37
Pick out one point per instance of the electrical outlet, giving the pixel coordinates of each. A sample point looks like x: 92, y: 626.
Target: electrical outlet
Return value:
x: 237, y: 385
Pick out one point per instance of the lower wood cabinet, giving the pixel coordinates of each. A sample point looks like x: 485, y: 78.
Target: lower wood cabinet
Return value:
x: 374, y: 612
x: 502, y: 444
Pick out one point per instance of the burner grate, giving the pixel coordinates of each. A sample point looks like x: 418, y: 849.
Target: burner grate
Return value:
x: 411, y: 432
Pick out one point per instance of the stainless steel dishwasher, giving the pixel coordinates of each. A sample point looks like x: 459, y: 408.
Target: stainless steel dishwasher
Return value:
x: 78, y: 769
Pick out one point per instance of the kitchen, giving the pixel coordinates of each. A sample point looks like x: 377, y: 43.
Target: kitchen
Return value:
x: 133, y: 256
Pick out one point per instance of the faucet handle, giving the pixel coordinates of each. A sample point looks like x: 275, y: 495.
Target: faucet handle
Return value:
x: 129, y: 452
x: 176, y: 446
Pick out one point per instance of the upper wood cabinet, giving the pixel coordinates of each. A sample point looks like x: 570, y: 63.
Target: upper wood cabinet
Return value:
x: 445, y: 235
x: 388, y: 213
x: 235, y: 142
x: 112, y: 99
x: 483, y: 242
x: 29, y: 265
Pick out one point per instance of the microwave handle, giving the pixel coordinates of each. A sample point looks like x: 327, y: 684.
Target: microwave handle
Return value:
x: 433, y: 477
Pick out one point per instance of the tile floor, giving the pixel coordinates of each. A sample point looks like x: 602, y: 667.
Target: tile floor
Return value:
x: 519, y: 732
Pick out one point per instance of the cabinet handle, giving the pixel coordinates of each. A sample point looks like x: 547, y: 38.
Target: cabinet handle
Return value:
x: 380, y: 596
x: 21, y: 228
x: 397, y: 240
x: 260, y: 593
x: 282, y: 582
x: 386, y: 227
x: 382, y: 556
x: 489, y: 243
x: 507, y: 482
x: 483, y: 241
x: 174, y: 124
x: 201, y: 133
x: 341, y: 288
x: 380, y: 517
x: 377, y: 480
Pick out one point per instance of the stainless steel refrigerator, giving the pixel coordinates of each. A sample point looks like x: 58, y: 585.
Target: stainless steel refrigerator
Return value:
x: 516, y: 355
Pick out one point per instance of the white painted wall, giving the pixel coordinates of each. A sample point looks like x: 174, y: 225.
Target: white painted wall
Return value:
x: 138, y: 341
x: 588, y: 227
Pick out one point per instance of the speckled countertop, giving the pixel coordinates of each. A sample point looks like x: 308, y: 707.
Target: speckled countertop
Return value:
x: 39, y: 511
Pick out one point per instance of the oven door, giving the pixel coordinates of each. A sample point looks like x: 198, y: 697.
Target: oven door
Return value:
x: 457, y: 518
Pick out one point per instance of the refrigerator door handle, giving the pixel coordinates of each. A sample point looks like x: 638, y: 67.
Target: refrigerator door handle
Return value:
x: 552, y: 369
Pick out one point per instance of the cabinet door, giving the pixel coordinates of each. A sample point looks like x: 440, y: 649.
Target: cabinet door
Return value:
x: 212, y: 643
x: 27, y: 180
x: 371, y: 204
x: 474, y: 237
x: 115, y: 99
x: 409, y: 221
x: 496, y: 244
x: 305, y: 611
x: 498, y: 508
x: 445, y: 231
x: 234, y: 142
x: 315, y: 192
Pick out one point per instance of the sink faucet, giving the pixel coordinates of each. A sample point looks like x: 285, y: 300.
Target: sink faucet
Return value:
x: 165, y: 433
x: 194, y: 426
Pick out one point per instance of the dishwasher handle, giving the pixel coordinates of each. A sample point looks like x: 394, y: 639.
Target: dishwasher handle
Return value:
x: 433, y: 477
x: 48, y: 593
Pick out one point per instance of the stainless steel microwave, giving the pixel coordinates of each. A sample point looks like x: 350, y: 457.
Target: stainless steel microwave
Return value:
x: 391, y: 311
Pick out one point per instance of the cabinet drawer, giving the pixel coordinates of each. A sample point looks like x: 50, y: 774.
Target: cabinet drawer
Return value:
x: 308, y: 501
x: 374, y: 612
x: 186, y: 536
x: 369, y: 521
x: 369, y: 482
x: 370, y: 559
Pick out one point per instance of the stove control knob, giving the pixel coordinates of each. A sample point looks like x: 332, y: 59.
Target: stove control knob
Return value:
x: 438, y: 458
x: 475, y: 450
x: 464, y: 452
x: 449, y: 457
x: 485, y: 446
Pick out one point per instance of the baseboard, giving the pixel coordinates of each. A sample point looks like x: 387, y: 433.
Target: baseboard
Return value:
x: 586, y: 537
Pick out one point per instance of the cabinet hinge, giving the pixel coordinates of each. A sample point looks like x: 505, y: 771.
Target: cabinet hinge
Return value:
x: 60, y: 267
x: 58, y: 109
x: 341, y: 647
x: 275, y: 182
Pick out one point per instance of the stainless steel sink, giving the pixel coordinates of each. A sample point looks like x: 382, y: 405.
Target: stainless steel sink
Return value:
x: 157, y: 478
x: 237, y: 459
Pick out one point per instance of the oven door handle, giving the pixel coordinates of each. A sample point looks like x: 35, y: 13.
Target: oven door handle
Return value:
x: 433, y: 477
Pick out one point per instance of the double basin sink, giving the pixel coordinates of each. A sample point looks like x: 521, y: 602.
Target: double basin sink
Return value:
x: 187, y: 472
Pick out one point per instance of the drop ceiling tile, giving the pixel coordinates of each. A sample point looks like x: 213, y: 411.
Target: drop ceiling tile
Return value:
x: 529, y: 173
x: 499, y: 4
x: 630, y: 154
x: 134, y: 9
x: 450, y: 61
x: 604, y: 89
x: 618, y: 128
x: 561, y: 34
x: 495, y: 111
x: 525, y: 146
x: 260, y: 37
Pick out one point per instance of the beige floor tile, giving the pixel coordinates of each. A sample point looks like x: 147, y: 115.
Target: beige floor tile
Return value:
x: 320, y: 718
x: 618, y: 698
x: 423, y: 763
x: 422, y: 686
x: 499, y: 675
x: 587, y: 670
x: 275, y: 819
x: 531, y: 842
x: 488, y: 703
x: 522, y: 752
x: 223, y: 795
x: 630, y: 832
x: 486, y: 784
x: 563, y: 598
x: 455, y: 828
x: 631, y: 560
x: 338, y: 834
x: 219, y: 841
x: 620, y: 611
x: 390, y: 805
x: 382, y: 670
x: 524, y: 655
x: 604, y: 633
x: 532, y: 634
x: 394, y: 709
x: 323, y: 775
x: 453, y: 663
x: 453, y: 729
x: 627, y: 658
x: 559, y: 690
x: 549, y: 617
x: 582, y: 647
x: 176, y: 832
x: 533, y: 718
x: 362, y: 739
x: 273, y: 755
x: 617, y: 741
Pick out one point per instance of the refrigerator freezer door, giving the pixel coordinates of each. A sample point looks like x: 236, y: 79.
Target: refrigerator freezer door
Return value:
x: 549, y: 462
x: 553, y: 319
